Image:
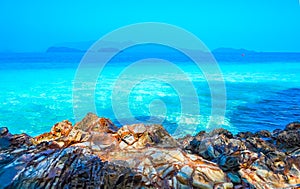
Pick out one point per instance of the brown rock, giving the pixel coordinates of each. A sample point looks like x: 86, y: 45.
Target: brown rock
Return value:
x: 59, y: 130
x: 95, y: 154
x: 293, y: 126
x: 92, y: 122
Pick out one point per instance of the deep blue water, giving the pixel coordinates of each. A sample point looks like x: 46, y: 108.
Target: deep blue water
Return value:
x: 36, y: 91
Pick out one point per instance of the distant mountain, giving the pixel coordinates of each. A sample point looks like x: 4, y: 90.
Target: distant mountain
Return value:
x: 83, y: 45
x: 62, y: 49
x: 113, y: 48
x: 155, y: 51
x: 243, y: 55
x: 108, y: 46
x: 233, y: 51
x: 108, y: 50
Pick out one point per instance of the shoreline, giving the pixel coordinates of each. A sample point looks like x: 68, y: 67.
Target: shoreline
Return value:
x: 94, y: 153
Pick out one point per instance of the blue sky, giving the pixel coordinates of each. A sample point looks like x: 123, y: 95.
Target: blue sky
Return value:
x: 262, y: 25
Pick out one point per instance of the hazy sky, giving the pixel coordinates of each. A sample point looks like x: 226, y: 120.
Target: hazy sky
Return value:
x: 263, y: 25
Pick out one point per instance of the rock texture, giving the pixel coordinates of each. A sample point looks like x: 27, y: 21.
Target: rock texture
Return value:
x: 253, y: 160
x: 94, y: 153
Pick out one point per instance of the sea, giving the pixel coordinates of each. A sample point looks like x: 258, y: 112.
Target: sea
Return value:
x: 37, y: 90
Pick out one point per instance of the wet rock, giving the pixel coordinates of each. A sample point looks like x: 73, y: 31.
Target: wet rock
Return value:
x: 92, y: 154
x: 263, y: 134
x: 70, y: 168
x: 96, y: 154
x: 221, y: 131
x: 260, y: 160
x: 3, y: 131
x: 288, y: 138
x: 59, y: 130
x: 216, y: 147
x: 245, y: 134
x: 159, y: 160
x: 185, y: 141
x: 101, y: 141
x: 92, y: 122
x: 138, y: 129
x: 293, y: 126
x: 183, y: 178
x: 235, y: 178
x: 161, y: 137
x: 259, y: 145
x: 276, y: 132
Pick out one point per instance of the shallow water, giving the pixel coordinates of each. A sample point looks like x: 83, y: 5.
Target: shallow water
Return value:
x: 36, y: 91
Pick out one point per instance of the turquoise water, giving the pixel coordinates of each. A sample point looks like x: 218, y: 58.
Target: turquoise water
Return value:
x: 36, y: 91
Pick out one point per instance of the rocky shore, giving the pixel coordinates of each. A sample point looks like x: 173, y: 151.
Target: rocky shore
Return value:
x: 94, y: 153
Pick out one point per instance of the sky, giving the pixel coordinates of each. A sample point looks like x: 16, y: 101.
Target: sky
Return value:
x: 261, y: 25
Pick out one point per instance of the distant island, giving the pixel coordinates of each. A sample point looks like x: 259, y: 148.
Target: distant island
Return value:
x: 84, y: 46
x: 74, y: 50
x: 221, y: 54
x: 63, y: 49
x: 232, y: 50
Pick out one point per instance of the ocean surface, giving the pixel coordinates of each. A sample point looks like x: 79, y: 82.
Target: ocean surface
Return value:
x: 36, y: 91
